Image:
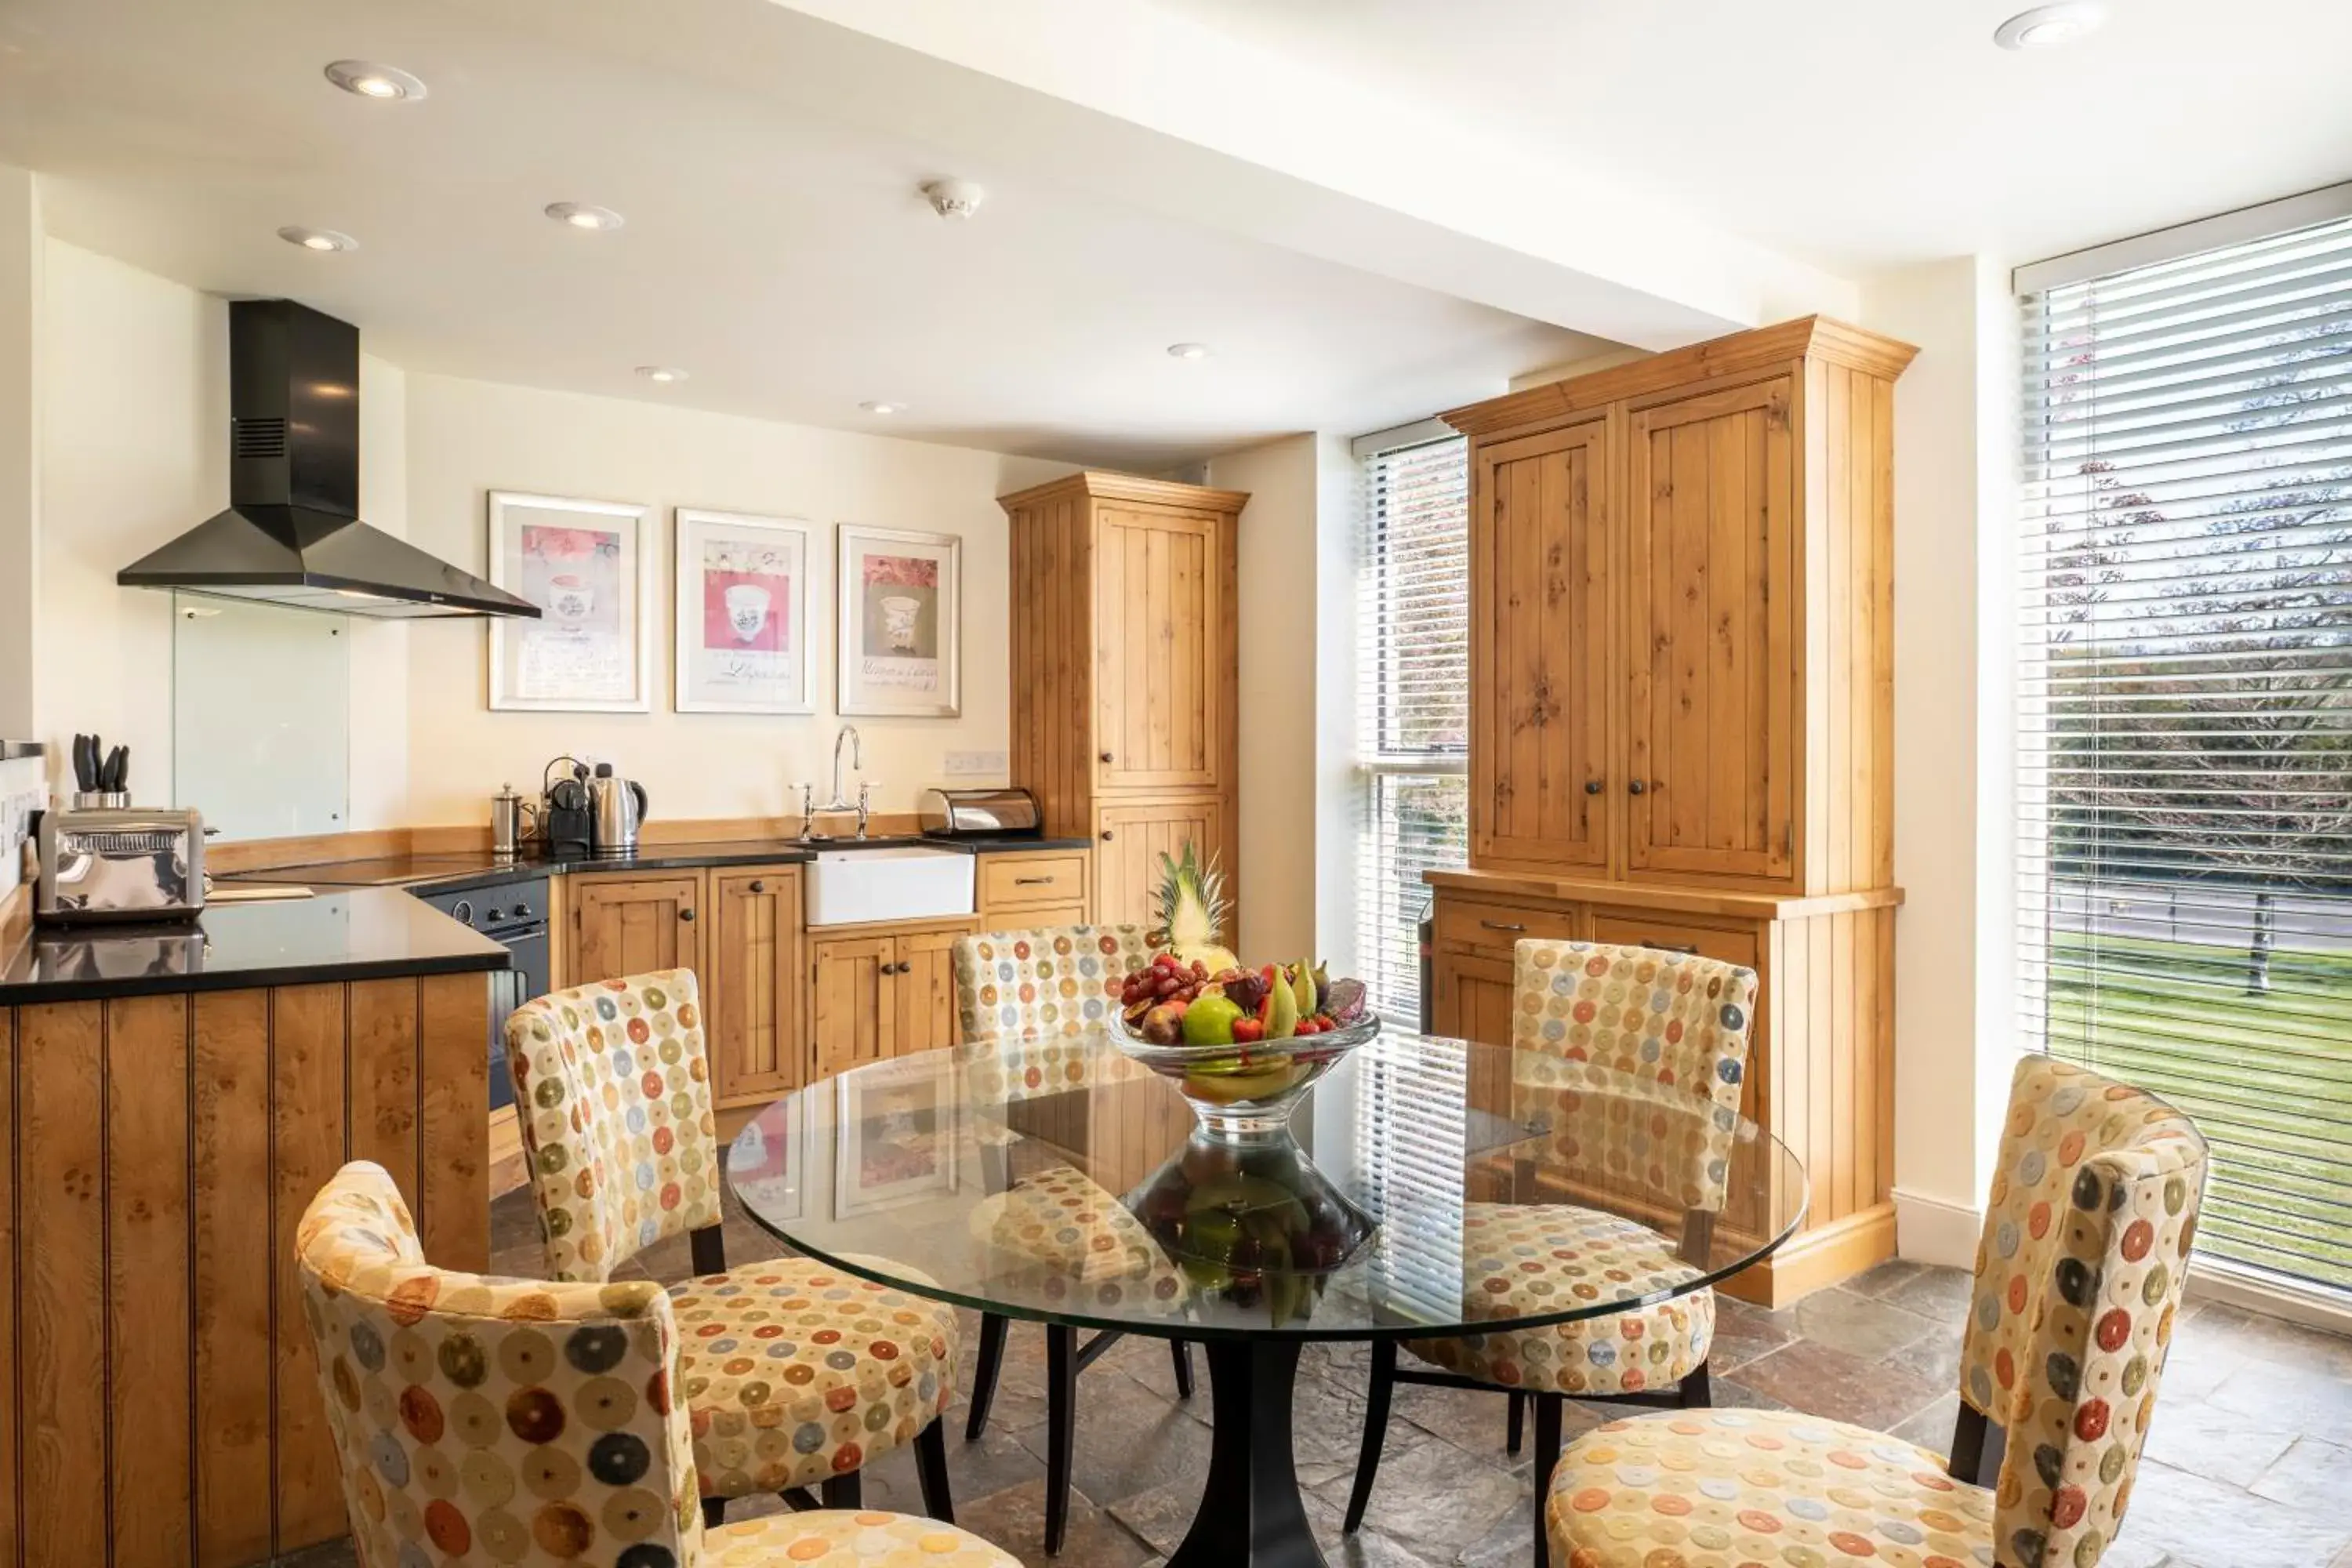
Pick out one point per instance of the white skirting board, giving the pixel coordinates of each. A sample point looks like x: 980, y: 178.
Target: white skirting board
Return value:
x: 1934, y: 1230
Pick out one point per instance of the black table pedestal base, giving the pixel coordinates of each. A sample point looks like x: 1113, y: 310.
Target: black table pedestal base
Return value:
x: 1251, y: 1515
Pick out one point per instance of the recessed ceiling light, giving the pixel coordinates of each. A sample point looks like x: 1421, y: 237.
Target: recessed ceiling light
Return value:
x: 386, y: 84
x: 663, y: 373
x: 584, y: 215
x: 1187, y: 350
x: 883, y: 407
x: 2047, y: 26
x: 317, y: 238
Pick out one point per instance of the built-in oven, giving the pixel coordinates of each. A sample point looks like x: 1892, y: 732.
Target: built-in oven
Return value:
x: 513, y: 914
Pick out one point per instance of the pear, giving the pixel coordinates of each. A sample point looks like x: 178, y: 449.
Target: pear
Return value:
x: 1302, y: 988
x: 1284, y: 1022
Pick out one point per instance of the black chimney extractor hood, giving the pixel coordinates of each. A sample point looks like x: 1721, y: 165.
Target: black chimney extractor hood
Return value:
x: 292, y: 533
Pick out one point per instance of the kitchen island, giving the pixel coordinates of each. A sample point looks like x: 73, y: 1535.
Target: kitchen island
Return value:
x: 171, y: 1099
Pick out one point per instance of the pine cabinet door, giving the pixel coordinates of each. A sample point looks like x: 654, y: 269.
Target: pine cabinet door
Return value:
x: 854, y: 1012
x: 927, y: 992
x: 1160, y: 671
x: 1540, y: 781
x: 634, y: 925
x: 755, y: 978
x: 1131, y: 835
x: 1711, y: 593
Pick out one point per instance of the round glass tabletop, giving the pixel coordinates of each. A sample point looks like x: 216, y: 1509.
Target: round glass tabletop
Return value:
x: 1426, y: 1186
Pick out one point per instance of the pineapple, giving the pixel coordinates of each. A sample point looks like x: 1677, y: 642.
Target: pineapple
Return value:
x: 1192, y: 911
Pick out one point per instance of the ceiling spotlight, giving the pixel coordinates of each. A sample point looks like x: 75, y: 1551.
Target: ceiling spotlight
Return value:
x: 883, y: 407
x: 584, y: 215
x: 387, y: 84
x: 663, y: 373
x: 2047, y: 26
x: 317, y: 238
x: 1187, y: 350
x: 954, y: 198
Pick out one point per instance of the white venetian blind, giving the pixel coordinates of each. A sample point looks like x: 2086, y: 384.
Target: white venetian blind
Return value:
x: 2185, y: 750
x: 1414, y: 666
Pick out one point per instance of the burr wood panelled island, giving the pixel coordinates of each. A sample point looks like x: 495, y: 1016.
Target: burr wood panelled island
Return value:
x: 170, y: 1099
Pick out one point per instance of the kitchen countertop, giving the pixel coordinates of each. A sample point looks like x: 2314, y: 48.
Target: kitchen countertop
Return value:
x: 359, y: 934
x: 457, y: 870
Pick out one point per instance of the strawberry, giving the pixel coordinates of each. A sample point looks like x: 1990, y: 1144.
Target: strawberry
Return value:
x: 1248, y: 1031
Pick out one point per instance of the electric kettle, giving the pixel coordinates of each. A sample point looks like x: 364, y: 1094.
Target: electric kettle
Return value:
x: 616, y: 808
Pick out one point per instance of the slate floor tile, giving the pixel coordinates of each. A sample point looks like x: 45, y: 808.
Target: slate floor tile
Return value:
x: 1865, y: 1326
x: 1815, y: 1377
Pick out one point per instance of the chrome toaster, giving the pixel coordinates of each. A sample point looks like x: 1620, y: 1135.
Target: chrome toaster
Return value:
x: 126, y: 864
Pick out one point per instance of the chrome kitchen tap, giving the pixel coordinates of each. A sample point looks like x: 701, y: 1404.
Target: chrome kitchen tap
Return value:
x: 856, y: 760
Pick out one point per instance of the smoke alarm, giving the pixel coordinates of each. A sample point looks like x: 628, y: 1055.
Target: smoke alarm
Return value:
x: 954, y: 198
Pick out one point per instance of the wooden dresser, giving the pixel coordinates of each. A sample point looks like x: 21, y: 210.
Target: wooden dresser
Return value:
x: 1125, y: 668
x: 1681, y: 722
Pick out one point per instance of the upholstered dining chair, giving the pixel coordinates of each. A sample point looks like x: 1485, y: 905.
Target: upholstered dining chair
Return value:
x: 1025, y: 1000
x: 528, y: 1421
x: 795, y: 1372
x: 2078, y: 1277
x: 1671, y: 1029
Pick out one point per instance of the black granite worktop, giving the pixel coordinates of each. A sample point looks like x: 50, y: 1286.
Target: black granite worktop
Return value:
x: 456, y: 871
x: 356, y: 933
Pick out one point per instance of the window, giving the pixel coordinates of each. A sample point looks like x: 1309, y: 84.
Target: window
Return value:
x: 1414, y: 723
x: 2185, y: 751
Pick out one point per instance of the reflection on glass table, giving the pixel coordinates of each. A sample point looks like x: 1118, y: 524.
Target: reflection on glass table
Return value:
x: 1105, y: 1205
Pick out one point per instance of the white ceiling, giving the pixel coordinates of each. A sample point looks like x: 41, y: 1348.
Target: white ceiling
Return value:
x: 780, y: 255
x: 1864, y: 133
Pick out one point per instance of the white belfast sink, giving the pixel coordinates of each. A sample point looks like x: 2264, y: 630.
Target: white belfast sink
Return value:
x: 848, y: 887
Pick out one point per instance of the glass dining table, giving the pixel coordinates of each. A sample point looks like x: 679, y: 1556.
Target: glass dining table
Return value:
x: 1059, y: 1181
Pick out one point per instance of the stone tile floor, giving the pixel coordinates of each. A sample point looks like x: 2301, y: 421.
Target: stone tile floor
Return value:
x: 2250, y: 1464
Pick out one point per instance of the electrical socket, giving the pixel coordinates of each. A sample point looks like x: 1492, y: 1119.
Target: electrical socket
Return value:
x: 971, y: 764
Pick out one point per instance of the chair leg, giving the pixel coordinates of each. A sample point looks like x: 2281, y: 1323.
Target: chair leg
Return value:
x: 1376, y: 1427
x: 1548, y: 1407
x: 1180, y: 1352
x: 714, y: 1512
x: 1061, y: 1428
x: 983, y: 1376
x: 931, y: 1472
x: 846, y: 1490
x: 1517, y: 1436
x: 1697, y: 1394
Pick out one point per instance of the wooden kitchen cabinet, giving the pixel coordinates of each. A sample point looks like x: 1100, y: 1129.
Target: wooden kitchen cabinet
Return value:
x: 881, y: 990
x: 1031, y: 892
x: 1123, y: 617
x: 1539, y: 771
x: 1131, y: 835
x: 753, y: 990
x: 630, y: 922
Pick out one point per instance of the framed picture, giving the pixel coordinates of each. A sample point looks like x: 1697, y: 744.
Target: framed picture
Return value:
x: 745, y: 642
x: 588, y: 566
x: 894, y: 1137
x: 764, y: 1161
x: 901, y: 623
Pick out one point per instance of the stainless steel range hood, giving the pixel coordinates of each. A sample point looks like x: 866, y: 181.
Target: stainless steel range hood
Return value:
x: 292, y: 534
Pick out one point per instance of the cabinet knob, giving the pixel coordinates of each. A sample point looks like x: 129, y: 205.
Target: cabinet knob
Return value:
x: 1105, y: 756
x: 685, y: 914
x: 758, y: 885
x: 1105, y: 835
x: 1593, y: 787
x: 1635, y: 786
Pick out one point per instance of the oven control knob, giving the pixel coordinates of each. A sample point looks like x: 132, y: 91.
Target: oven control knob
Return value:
x: 496, y: 915
x: 463, y: 910
x: 522, y: 911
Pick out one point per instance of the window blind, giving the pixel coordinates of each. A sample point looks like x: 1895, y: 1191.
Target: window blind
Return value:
x: 1413, y: 718
x: 2185, y: 707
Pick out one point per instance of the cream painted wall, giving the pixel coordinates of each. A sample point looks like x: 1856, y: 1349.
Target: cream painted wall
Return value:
x: 465, y: 439
x: 1276, y: 615
x: 1954, y: 412
x: 21, y: 246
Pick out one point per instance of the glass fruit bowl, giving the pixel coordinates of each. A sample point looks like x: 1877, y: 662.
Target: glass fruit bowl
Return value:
x: 1245, y: 1091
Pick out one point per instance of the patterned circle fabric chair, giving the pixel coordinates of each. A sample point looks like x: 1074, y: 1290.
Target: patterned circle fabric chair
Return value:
x: 2078, y: 1277
x: 795, y: 1372
x: 532, y: 1422
x: 1028, y: 1000
x: 1585, y: 1018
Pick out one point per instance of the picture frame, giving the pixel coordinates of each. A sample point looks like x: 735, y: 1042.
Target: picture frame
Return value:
x: 746, y: 640
x: 589, y: 566
x: 765, y: 1162
x: 895, y: 1131
x: 899, y: 629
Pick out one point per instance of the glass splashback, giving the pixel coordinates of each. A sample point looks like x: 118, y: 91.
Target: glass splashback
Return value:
x: 260, y: 717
